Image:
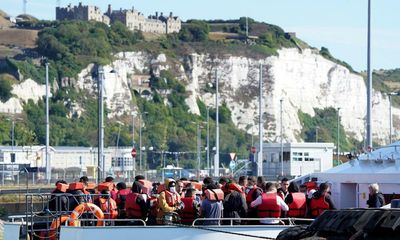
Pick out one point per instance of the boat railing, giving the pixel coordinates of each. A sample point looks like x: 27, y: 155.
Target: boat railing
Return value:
x: 108, y: 222
x: 289, y: 221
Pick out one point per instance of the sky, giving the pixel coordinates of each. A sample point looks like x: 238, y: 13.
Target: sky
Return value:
x: 339, y: 25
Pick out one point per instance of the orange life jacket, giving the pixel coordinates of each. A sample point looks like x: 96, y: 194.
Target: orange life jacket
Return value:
x: 249, y: 196
x: 188, y: 213
x: 61, y: 187
x: 109, y: 208
x: 214, y: 194
x: 171, y: 198
x: 133, y: 209
x: 269, y: 206
x: 298, y: 207
x: 318, y: 206
x: 121, y: 197
x: 106, y: 186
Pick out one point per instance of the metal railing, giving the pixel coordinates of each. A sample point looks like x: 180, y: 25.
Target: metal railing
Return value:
x: 291, y: 221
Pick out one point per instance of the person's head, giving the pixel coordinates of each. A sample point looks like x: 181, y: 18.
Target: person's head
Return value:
x: 269, y: 187
x: 190, y: 192
x: 109, y: 179
x: 303, y: 188
x: 212, y: 186
x: 251, y: 181
x: 293, y: 187
x: 61, y: 181
x: 136, y: 187
x: 179, y: 186
x: 183, y: 179
x: 284, y: 184
x: 84, y: 180
x: 223, y: 181
x: 324, y: 187
x: 105, y: 193
x: 139, y: 177
x: 243, y: 181
x: 260, y: 181
x: 121, y: 185
x: 170, y: 185
x: 207, y: 180
x: 373, y: 188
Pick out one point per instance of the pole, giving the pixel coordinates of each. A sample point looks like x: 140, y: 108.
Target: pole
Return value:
x: 198, y: 151
x: 369, y: 85
x: 316, y: 133
x: 260, y: 126
x: 338, y: 137
x: 390, y: 119
x: 208, y: 140
x: 12, y: 146
x: 281, y: 101
x: 140, y: 142
x: 48, y: 164
x: 100, y: 157
x: 216, y: 158
x: 133, y: 143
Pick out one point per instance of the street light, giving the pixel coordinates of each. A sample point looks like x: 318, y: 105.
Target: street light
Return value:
x: 140, y: 140
x: 208, y: 140
x: 390, y: 114
x: 316, y: 133
x: 48, y: 164
x: 338, y: 140
x: 281, y: 105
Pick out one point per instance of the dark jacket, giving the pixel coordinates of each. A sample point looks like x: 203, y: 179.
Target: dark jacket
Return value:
x: 235, y: 206
x: 58, y: 201
x: 376, y: 200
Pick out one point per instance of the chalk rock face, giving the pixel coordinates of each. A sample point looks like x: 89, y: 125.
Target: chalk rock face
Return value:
x: 296, y: 80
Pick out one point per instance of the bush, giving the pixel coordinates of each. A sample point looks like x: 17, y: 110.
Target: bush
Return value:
x: 5, y: 87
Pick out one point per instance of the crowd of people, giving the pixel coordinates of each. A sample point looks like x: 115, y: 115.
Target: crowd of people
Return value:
x: 182, y: 201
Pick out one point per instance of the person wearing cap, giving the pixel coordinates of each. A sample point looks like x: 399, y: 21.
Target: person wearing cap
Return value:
x: 169, y: 200
x: 321, y: 200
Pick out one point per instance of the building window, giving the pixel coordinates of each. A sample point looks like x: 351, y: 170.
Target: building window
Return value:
x: 297, y: 156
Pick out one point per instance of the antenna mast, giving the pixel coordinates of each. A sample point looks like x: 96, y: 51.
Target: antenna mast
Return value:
x: 25, y: 2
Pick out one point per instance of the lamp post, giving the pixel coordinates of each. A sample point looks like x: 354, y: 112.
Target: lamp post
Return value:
x: 260, y: 126
x: 133, y: 142
x: 198, y: 150
x: 140, y: 140
x: 208, y: 140
x: 390, y: 114
x: 369, y: 82
x: 216, y: 158
x: 100, y: 130
x: 338, y: 136
x: 316, y: 133
x: 48, y: 164
x: 281, y: 105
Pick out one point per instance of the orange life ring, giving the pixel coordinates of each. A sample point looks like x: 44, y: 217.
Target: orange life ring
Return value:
x: 86, y: 207
x: 55, y: 225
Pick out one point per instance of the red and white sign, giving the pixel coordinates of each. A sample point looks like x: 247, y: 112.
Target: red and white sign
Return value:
x: 232, y: 155
x: 133, y: 152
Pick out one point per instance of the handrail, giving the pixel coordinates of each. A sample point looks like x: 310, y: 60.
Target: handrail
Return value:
x: 109, y: 220
x: 291, y: 220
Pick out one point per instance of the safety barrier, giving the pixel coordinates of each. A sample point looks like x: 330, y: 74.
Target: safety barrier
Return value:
x: 291, y: 221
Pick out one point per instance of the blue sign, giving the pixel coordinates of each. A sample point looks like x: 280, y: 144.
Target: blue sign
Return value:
x: 232, y: 165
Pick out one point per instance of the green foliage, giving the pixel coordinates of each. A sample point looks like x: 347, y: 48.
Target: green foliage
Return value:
x: 5, y: 87
x: 242, y: 23
x: 194, y: 31
x: 326, y: 54
x: 326, y: 121
x: 73, y: 45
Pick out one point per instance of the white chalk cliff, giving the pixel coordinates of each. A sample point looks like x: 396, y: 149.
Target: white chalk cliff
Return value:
x: 304, y: 80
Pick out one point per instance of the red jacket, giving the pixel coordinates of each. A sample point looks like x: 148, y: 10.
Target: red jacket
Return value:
x: 269, y: 206
x: 318, y: 206
x: 188, y: 214
x: 298, y: 207
x: 109, y: 207
x: 133, y: 209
